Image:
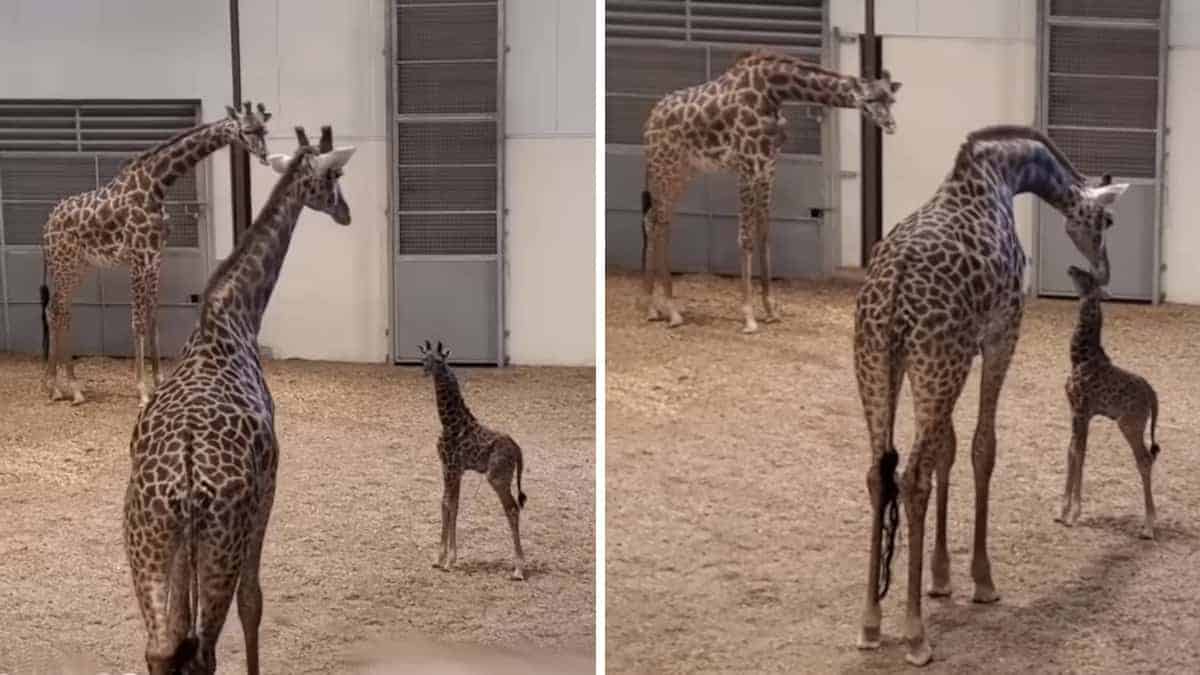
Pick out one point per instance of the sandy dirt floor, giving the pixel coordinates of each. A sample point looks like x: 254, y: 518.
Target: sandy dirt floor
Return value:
x: 347, y: 578
x: 737, y: 512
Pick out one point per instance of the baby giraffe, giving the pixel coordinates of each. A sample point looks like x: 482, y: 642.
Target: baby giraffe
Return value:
x: 1097, y: 387
x: 467, y: 444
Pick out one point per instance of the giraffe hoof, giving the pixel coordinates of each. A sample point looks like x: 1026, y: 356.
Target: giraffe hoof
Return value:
x: 985, y: 596
x: 675, y: 321
x: 868, y: 637
x: 919, y: 653
x: 750, y: 329
x: 77, y: 399
x: 771, y: 319
x: 1146, y: 533
x: 517, y: 575
x: 942, y: 591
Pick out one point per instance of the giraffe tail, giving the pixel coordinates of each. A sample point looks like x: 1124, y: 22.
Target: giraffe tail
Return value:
x: 188, y: 650
x: 647, y: 203
x: 45, y: 293
x: 520, y: 470
x: 890, y: 506
x: 1153, y: 424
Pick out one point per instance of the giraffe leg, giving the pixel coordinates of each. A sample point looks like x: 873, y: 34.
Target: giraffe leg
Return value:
x: 762, y: 216
x: 67, y: 277
x: 1076, y: 451
x: 754, y: 193
x: 879, y: 380
x: 934, y: 396
x: 746, y: 242
x: 500, y: 477
x: 1133, y: 427
x: 451, y: 481
x: 144, y: 286
x: 249, y: 591
x: 996, y: 358
x: 940, y: 565
x: 666, y: 178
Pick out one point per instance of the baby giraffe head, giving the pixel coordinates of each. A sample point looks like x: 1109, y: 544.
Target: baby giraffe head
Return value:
x: 1088, y: 219
x: 432, y: 357
x: 1085, y: 284
x: 875, y: 98
x: 320, y: 171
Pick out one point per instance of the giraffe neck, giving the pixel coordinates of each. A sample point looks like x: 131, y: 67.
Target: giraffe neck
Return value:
x: 803, y: 84
x: 238, y: 292
x: 169, y: 160
x: 452, y: 409
x: 1085, y: 342
x: 1020, y: 166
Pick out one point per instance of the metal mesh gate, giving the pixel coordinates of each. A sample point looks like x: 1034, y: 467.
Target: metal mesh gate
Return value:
x: 447, y: 159
x: 1102, y: 86
x: 51, y: 149
x: 654, y: 47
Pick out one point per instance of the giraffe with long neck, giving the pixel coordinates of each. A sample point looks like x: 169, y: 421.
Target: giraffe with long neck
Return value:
x: 125, y: 223
x: 204, y: 451
x: 734, y: 123
x: 944, y: 286
x: 464, y: 445
x: 1096, y: 386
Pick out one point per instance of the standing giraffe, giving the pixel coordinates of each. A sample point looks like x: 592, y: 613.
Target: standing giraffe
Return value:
x: 943, y: 286
x: 1098, y: 387
x: 734, y: 123
x: 204, y: 452
x: 465, y: 444
x: 125, y: 223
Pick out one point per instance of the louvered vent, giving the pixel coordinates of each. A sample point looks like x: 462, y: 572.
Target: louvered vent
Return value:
x: 51, y: 149
x: 658, y: 46
x: 1103, y: 84
x: 447, y: 131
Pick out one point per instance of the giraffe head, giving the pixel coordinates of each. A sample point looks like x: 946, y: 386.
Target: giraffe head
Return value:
x: 1089, y: 217
x: 251, y: 129
x: 875, y: 99
x: 432, y: 357
x: 320, y: 171
x: 1085, y: 284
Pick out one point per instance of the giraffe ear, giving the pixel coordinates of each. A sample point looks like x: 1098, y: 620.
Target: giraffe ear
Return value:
x: 334, y: 159
x: 896, y: 86
x: 279, y: 163
x: 1106, y: 195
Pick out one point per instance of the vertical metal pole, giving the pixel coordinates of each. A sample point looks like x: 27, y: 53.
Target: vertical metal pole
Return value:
x: 872, y: 145
x: 3, y: 270
x: 1160, y: 164
x: 239, y: 159
x: 501, y: 204
x: 393, y: 221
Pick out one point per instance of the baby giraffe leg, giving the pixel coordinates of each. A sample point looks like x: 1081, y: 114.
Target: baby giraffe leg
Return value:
x: 1133, y: 427
x: 500, y: 478
x: 1072, y: 494
x: 451, y: 482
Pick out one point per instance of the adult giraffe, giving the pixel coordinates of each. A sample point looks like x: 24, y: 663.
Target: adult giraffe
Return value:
x: 945, y: 285
x: 734, y: 123
x: 125, y: 223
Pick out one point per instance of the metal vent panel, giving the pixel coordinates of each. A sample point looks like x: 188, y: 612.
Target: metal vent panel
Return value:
x: 795, y: 24
x: 448, y: 188
x: 446, y: 142
x: 1122, y: 153
x: 446, y: 88
x: 434, y: 32
x: 1107, y: 9
x: 447, y: 234
x: 1103, y: 101
x: 624, y: 118
x: 23, y: 223
x: 654, y: 70
x: 46, y: 178
x: 1090, y: 50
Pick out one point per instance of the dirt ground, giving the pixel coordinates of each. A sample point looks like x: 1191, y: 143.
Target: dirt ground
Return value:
x: 347, y: 578
x: 737, y: 512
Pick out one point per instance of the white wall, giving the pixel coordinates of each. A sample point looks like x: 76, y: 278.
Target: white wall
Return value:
x: 550, y: 181
x: 966, y: 64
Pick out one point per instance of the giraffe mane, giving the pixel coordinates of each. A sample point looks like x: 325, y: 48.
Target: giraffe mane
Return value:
x: 764, y: 56
x: 1009, y: 132
x: 163, y: 145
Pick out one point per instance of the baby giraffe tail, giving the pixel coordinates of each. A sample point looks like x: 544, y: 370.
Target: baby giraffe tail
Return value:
x: 1153, y: 423
x: 520, y: 470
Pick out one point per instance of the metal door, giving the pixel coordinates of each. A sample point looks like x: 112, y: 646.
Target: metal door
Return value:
x: 1103, y: 78
x: 447, y: 159
x: 653, y: 48
x: 51, y: 149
